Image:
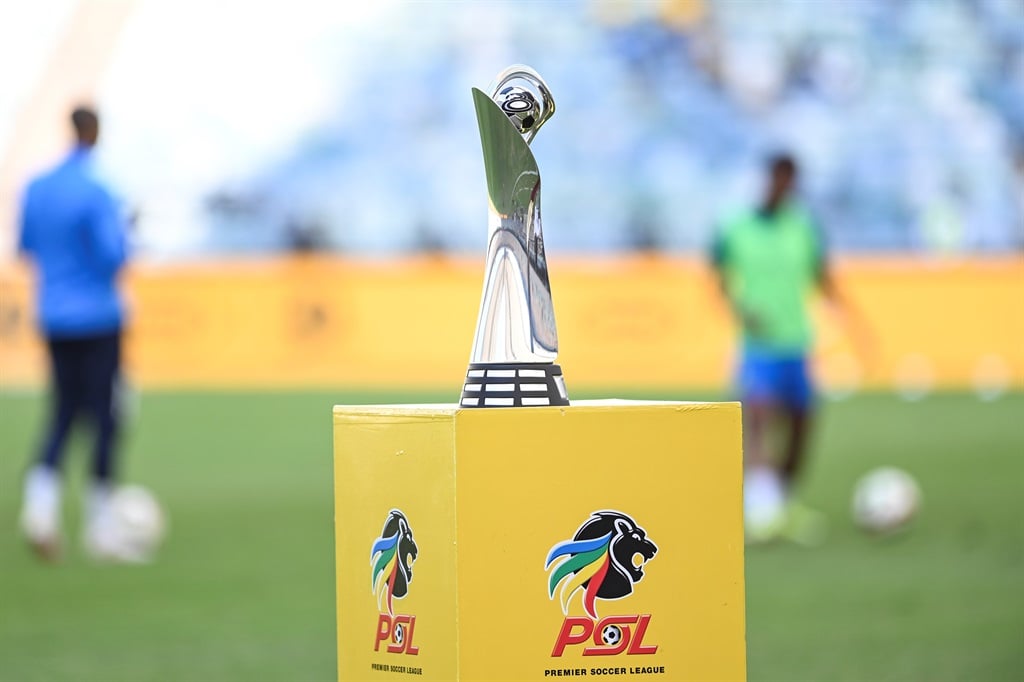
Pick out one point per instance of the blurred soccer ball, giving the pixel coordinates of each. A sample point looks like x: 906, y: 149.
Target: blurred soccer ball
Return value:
x: 138, y: 520
x: 520, y: 106
x: 885, y: 499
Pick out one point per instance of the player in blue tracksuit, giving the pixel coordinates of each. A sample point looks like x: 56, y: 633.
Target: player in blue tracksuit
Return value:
x: 72, y: 231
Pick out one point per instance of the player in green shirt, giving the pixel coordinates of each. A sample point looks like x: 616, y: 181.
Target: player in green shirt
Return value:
x: 770, y: 260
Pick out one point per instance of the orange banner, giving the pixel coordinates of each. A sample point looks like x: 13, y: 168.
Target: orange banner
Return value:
x: 629, y: 322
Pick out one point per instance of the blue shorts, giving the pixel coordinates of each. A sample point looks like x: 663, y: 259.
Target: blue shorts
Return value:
x: 770, y: 380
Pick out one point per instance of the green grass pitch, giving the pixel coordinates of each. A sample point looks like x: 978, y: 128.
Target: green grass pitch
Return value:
x: 243, y: 589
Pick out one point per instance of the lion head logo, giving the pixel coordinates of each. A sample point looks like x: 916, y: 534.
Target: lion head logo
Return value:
x: 604, y: 560
x: 391, y: 557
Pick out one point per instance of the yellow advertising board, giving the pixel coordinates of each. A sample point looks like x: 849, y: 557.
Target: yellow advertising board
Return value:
x: 602, y: 540
x: 630, y: 322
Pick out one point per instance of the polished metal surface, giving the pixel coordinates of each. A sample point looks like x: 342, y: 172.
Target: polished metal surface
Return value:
x: 514, y: 349
x: 517, y: 321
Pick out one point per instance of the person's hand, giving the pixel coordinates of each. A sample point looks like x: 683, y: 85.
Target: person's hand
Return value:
x: 752, y: 324
x: 858, y: 331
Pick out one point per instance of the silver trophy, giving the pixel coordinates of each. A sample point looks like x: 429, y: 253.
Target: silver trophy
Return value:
x: 514, y: 350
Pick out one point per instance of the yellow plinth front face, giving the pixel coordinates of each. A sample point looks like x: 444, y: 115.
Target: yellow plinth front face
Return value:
x: 598, y: 540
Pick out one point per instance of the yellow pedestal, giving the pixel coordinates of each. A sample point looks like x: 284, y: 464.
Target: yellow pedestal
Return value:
x: 598, y: 540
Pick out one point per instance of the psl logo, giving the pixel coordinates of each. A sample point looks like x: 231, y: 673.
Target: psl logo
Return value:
x: 391, y: 557
x: 604, y: 560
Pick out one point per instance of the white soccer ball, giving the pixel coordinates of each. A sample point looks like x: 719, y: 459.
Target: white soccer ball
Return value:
x: 885, y: 499
x: 138, y: 520
x: 611, y: 635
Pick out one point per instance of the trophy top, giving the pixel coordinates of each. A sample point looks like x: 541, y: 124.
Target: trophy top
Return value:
x: 524, y: 98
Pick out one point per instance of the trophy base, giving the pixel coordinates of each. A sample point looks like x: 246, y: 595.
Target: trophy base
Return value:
x: 513, y: 385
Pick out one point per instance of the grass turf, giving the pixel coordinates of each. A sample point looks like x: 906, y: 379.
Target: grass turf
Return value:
x: 244, y: 586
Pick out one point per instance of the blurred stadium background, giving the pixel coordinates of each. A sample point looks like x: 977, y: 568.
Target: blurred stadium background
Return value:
x: 307, y: 194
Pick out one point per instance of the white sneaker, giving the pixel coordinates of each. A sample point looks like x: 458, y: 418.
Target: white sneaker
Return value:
x: 40, y: 512
x: 763, y: 505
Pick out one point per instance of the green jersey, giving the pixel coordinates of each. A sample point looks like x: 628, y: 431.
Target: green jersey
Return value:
x: 770, y: 264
